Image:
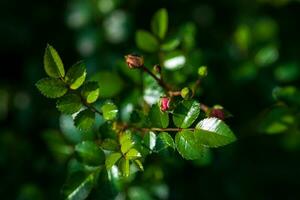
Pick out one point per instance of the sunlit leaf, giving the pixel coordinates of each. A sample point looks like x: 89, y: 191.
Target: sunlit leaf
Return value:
x: 52, y: 63
x: 90, y: 91
x: 85, y: 120
x: 150, y: 140
x: 109, y: 111
x: 163, y: 141
x: 186, y: 113
x: 213, y: 132
x: 112, y: 159
x: 76, y: 75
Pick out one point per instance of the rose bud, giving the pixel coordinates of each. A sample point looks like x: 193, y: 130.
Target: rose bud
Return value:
x: 157, y: 68
x: 164, y: 103
x: 134, y: 61
x: 218, y: 113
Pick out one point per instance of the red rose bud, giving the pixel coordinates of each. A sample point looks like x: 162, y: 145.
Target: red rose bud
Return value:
x: 218, y: 113
x: 164, y: 103
x: 134, y: 61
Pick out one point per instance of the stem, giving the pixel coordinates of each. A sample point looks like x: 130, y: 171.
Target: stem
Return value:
x: 158, y: 80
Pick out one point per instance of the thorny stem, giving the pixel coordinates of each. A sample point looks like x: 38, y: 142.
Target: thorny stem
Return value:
x: 158, y: 80
x: 132, y: 127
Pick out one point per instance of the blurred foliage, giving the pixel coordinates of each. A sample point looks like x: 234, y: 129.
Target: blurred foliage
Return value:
x: 249, y: 47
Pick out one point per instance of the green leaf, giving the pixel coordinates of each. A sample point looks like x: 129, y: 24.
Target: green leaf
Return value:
x: 174, y: 60
x: 288, y: 94
x: 159, y: 23
x: 266, y: 56
x: 139, y: 164
x: 171, y: 44
x: 213, y: 132
x: 85, y: 120
x: 69, y: 104
x: 187, y: 145
x: 163, y: 141
x: 186, y: 113
x: 146, y: 41
x: 150, y: 140
x: 90, y: 91
x: 133, y: 154
x: 109, y: 111
x: 110, y: 144
x: 124, y: 167
x: 112, y: 159
x: 52, y: 63
x: 51, y: 87
x: 76, y: 75
x: 79, y: 185
x: 110, y: 83
x: 90, y: 153
x: 276, y: 120
x: 126, y: 142
x: 158, y: 118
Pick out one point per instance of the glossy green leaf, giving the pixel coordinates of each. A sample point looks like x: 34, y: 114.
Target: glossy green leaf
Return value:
x: 76, y: 75
x: 213, y: 132
x: 90, y: 153
x: 110, y: 144
x: 52, y: 63
x: 187, y: 146
x: 126, y: 142
x: 51, y: 87
x: 164, y: 140
x: 85, y: 120
x: 150, y: 140
x: 112, y: 159
x: 146, y: 41
x: 159, y: 23
x: 109, y: 110
x: 69, y: 104
x: 158, y: 118
x: 174, y: 60
x: 133, y: 154
x: 110, y: 83
x: 124, y: 167
x: 186, y: 113
x: 90, y: 91
x: 79, y: 185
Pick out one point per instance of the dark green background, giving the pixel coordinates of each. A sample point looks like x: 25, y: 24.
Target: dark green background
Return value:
x: 257, y: 166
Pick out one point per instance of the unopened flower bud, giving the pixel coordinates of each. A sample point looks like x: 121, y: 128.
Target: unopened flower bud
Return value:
x: 157, y: 68
x: 164, y: 103
x: 202, y: 71
x: 134, y: 61
x: 218, y: 113
x: 185, y: 93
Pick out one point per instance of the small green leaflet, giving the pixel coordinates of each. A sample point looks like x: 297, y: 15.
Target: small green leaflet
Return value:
x: 69, y: 104
x: 85, y: 120
x: 52, y: 63
x: 51, y: 87
x: 109, y: 111
x: 213, y: 132
x: 112, y: 159
x: 76, y: 75
x: 126, y: 142
x: 150, y: 140
x: 90, y: 91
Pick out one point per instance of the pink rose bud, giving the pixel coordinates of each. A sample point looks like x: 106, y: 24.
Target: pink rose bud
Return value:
x: 134, y: 61
x: 164, y: 103
x: 218, y: 113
